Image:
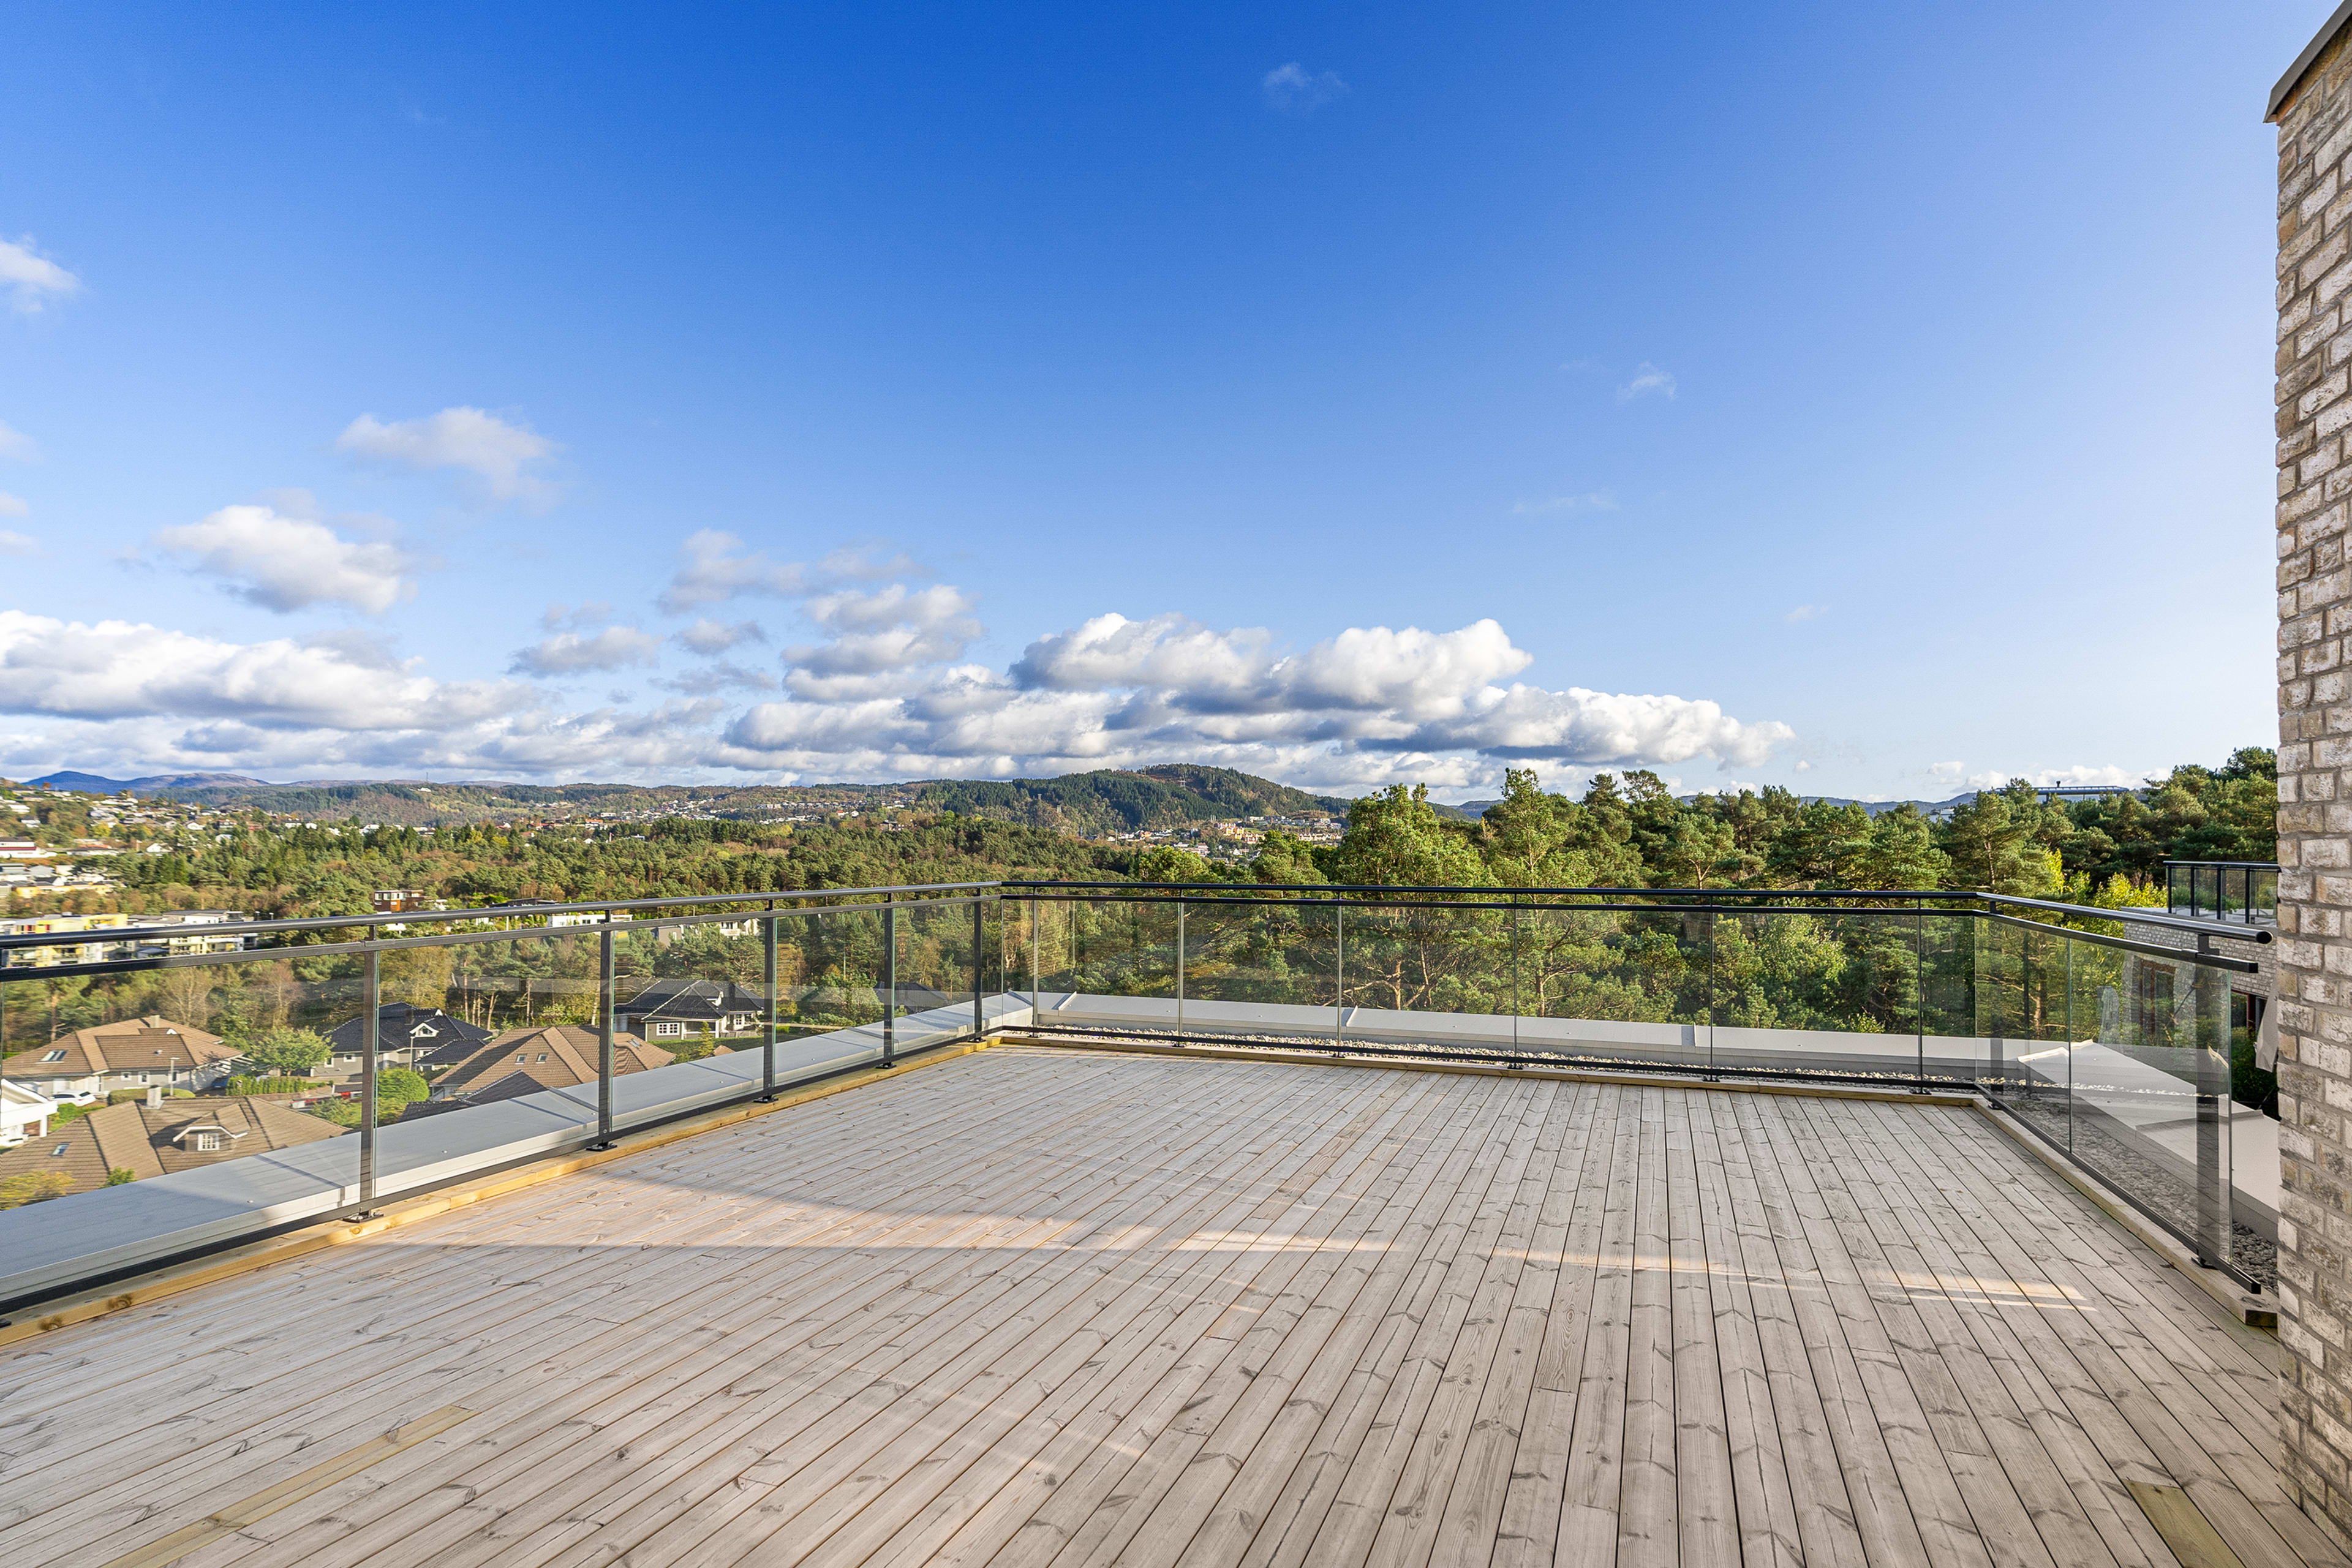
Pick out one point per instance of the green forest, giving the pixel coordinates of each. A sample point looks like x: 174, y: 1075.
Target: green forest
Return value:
x: 1838, y: 967
x: 1626, y: 830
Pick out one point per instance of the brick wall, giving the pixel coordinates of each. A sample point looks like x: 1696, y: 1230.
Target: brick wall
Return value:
x: 2314, y: 953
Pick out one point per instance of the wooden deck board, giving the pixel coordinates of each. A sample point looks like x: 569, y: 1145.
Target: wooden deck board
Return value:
x: 1039, y: 1306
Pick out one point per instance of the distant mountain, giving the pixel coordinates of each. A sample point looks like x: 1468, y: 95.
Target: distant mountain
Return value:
x: 1120, y: 801
x: 153, y: 784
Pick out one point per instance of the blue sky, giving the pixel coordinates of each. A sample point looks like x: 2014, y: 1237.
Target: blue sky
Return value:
x: 1868, y: 399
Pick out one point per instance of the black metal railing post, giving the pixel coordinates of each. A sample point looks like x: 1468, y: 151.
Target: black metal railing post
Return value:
x: 1919, y: 989
x: 1180, y: 973
x: 2211, y: 1037
x: 605, y: 1035
x: 2071, y: 1038
x: 768, y: 1044
x: 1518, y: 1004
x: 1339, y: 977
x: 1711, y: 945
x: 371, y: 1004
x: 1036, y: 941
x: 889, y: 981
x: 979, y: 936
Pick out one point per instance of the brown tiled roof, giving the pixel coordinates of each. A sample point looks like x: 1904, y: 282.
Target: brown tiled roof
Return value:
x: 556, y: 1056
x: 134, y: 1045
x: 134, y: 1138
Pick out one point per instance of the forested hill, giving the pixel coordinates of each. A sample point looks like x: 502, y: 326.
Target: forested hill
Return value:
x: 412, y: 803
x: 1083, y: 805
x: 1113, y: 801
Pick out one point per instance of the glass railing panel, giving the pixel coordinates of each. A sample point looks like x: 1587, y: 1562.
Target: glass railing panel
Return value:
x: 1442, y: 959
x: 2149, y: 1101
x: 2036, y: 1046
x: 1614, y: 985
x: 938, y: 945
x: 1951, y: 1052
x: 151, y: 1073
x: 1832, y: 992
x: 527, y: 1017
x: 1275, y: 964
x: 2262, y: 896
x: 829, y: 968
x: 688, y: 986
x: 2000, y: 1002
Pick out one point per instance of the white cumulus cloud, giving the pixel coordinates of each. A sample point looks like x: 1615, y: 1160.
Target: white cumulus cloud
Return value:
x: 718, y: 566
x: 890, y: 628
x: 578, y: 653
x: 502, y: 456
x: 12, y: 506
x: 32, y: 280
x: 709, y: 638
x: 2105, y: 776
x: 123, y: 670
x: 14, y: 543
x: 17, y: 446
x: 285, y: 564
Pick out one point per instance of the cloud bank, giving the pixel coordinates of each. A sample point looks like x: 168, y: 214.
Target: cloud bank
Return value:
x: 880, y: 682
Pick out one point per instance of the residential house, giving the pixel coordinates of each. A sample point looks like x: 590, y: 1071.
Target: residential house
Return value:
x: 524, y: 1061
x: 425, y: 1038
x: 137, y: 1053
x: 25, y: 1113
x: 673, y: 1009
x: 161, y: 1137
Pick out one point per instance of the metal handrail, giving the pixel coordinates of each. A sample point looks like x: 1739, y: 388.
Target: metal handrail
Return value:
x: 1305, y: 893
x: 487, y: 911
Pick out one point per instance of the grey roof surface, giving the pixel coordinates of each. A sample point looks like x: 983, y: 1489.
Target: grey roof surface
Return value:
x: 2311, y: 51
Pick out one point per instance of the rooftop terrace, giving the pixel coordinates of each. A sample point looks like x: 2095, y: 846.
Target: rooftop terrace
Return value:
x: 1214, y: 1225
x: 1047, y: 1305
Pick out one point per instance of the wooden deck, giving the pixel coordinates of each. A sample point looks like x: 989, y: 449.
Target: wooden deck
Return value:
x: 1045, y: 1306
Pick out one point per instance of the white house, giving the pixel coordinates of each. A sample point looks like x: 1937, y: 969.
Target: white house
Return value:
x: 25, y: 1113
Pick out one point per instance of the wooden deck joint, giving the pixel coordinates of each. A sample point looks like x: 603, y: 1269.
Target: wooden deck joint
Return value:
x: 2188, y: 1532
x: 292, y: 1490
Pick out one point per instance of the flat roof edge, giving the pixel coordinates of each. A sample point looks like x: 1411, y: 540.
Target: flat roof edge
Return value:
x: 2294, y: 77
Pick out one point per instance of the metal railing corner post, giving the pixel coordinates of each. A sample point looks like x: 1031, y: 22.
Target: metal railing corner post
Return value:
x: 889, y: 981
x: 372, y: 1011
x: 979, y: 936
